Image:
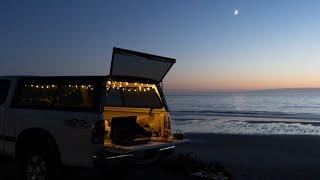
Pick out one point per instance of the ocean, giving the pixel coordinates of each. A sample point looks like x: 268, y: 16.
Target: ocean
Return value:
x: 286, y: 111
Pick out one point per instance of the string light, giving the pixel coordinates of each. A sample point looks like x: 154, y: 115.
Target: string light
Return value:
x: 129, y: 87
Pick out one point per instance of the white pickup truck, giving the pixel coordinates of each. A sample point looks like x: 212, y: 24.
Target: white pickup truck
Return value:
x: 88, y: 121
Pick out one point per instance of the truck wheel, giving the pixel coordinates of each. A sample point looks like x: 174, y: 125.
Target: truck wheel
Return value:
x: 39, y: 165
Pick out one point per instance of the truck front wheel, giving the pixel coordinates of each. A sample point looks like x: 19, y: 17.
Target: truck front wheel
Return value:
x: 39, y: 164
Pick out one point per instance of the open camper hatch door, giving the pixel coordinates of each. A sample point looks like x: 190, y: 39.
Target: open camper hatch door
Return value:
x: 136, y: 64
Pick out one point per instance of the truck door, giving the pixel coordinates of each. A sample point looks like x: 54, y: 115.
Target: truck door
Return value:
x: 4, y: 89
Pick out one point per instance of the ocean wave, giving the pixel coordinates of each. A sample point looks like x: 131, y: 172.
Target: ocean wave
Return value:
x: 179, y: 115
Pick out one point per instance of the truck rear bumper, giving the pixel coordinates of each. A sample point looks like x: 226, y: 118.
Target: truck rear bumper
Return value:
x: 108, y: 159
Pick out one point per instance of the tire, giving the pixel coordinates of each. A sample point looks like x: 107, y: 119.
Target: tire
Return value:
x: 38, y: 163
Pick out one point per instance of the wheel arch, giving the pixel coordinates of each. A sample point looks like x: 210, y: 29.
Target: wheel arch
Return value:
x: 36, y: 137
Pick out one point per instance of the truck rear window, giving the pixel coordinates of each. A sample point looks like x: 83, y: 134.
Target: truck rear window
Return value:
x: 132, y: 96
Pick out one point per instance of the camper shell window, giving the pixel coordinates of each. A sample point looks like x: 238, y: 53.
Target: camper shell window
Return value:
x: 139, y: 95
x: 61, y: 93
x: 75, y: 96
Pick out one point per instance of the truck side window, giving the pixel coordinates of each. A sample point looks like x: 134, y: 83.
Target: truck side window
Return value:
x: 75, y: 96
x: 36, y: 95
x: 4, y: 89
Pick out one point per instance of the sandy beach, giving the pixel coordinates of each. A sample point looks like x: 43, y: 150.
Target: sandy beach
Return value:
x: 259, y: 156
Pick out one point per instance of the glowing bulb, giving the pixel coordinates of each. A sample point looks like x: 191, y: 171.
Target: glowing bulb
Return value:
x: 109, y: 82
x: 126, y: 83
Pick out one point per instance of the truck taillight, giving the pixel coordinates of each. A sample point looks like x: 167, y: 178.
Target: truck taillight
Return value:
x: 98, y: 132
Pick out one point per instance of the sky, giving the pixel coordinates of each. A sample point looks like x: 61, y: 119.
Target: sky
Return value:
x: 269, y: 44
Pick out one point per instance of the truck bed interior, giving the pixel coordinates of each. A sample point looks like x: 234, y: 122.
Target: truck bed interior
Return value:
x: 135, y: 117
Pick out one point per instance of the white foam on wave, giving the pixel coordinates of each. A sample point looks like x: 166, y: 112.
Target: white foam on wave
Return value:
x: 239, y: 125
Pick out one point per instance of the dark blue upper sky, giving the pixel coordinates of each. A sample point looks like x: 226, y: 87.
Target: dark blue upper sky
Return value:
x: 270, y: 44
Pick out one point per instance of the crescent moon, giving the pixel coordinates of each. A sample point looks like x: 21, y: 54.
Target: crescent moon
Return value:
x: 236, y: 12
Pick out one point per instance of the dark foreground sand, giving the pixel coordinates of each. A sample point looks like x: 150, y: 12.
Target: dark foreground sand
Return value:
x: 245, y: 156
x: 260, y: 157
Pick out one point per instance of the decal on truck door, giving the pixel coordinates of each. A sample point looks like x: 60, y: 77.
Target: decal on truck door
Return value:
x: 76, y: 123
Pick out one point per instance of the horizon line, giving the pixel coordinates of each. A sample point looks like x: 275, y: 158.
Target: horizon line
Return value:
x: 240, y: 90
